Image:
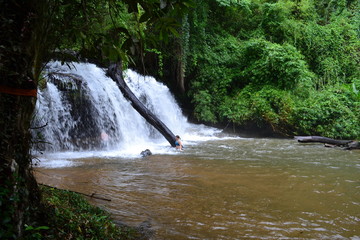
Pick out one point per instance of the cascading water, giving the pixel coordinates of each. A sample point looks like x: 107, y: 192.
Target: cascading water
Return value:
x: 227, y: 188
x: 83, y: 109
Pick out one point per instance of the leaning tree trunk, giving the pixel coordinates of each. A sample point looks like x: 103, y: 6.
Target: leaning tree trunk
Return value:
x: 347, y: 144
x: 115, y: 73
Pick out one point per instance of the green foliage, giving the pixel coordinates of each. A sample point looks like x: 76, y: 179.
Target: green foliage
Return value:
x: 106, y: 31
x: 203, y: 107
x: 265, y: 106
x: 334, y: 112
x: 331, y: 50
x: 292, y: 65
x: 34, y: 233
x: 328, y: 9
x: 266, y: 63
x: 230, y: 65
x: 70, y: 216
x: 214, y: 76
x: 274, y: 16
x: 233, y: 3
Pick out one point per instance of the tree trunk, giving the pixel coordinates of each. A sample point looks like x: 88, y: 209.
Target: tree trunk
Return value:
x: 15, y: 168
x: 18, y: 190
x: 180, y: 69
x: 347, y: 144
x: 115, y: 73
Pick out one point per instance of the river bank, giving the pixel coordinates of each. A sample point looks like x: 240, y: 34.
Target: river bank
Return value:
x: 68, y: 215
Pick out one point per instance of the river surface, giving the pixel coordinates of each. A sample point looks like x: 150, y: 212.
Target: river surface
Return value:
x: 223, y: 188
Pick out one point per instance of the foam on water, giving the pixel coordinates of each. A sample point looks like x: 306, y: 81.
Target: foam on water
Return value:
x: 127, y: 132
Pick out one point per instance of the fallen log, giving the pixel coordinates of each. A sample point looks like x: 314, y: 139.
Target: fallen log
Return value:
x: 114, y: 71
x: 346, y: 144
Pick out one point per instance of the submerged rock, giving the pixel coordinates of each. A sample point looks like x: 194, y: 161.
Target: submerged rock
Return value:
x: 145, y: 153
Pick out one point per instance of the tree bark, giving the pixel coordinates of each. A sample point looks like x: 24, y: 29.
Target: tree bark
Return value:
x: 15, y: 163
x: 19, y: 195
x: 115, y: 73
x: 347, y: 144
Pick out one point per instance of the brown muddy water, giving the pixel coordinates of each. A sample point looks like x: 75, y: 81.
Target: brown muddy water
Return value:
x: 226, y: 189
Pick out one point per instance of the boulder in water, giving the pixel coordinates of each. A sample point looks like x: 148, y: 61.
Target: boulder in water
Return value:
x: 146, y: 153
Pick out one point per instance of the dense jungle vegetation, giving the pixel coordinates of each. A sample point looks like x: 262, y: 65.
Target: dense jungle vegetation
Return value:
x: 289, y: 66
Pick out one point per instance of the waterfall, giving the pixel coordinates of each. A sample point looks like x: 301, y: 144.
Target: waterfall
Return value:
x: 81, y: 109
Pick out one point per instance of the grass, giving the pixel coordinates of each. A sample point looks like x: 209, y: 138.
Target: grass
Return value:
x: 68, y: 215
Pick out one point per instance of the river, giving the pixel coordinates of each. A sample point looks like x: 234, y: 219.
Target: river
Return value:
x: 222, y: 187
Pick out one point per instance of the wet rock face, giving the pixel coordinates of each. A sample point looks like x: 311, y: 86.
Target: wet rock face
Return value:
x: 85, y: 134
x: 80, y: 107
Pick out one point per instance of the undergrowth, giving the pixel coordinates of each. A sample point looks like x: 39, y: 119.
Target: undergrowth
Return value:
x: 68, y: 215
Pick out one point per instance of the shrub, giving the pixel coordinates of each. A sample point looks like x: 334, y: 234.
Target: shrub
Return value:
x: 265, y: 106
x: 266, y: 63
x: 69, y: 216
x: 334, y: 112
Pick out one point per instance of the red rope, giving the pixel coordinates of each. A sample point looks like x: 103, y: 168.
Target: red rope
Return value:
x: 18, y: 92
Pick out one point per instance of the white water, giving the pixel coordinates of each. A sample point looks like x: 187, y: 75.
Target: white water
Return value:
x: 122, y: 130
x: 222, y: 189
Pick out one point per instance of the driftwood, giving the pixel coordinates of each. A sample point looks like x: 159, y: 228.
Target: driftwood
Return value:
x: 329, y: 142
x: 115, y: 73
